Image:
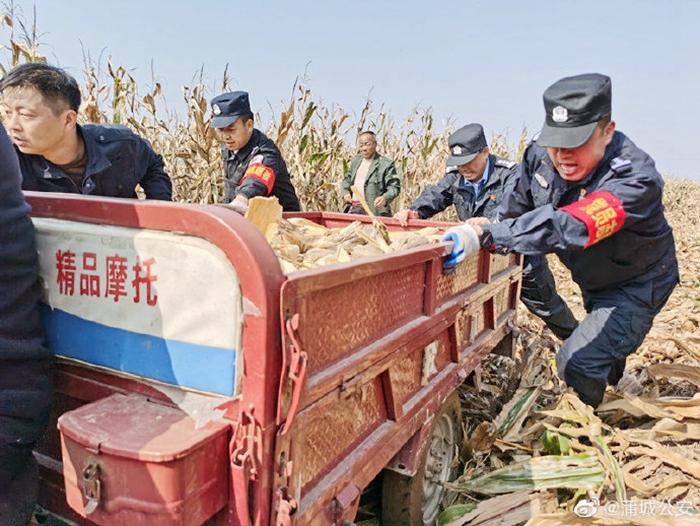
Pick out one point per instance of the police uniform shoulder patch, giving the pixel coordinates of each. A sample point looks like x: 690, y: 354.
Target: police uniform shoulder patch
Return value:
x: 618, y: 164
x: 541, y: 180
x: 505, y: 162
x: 257, y: 159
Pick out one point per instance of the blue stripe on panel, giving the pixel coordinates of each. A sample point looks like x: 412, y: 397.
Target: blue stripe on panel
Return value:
x: 200, y: 367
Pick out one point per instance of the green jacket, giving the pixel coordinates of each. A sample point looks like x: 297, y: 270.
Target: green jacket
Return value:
x: 382, y: 180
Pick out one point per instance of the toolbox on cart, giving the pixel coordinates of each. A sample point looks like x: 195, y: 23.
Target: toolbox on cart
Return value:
x: 131, y: 461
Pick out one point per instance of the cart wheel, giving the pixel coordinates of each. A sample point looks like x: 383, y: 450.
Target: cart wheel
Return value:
x: 417, y: 501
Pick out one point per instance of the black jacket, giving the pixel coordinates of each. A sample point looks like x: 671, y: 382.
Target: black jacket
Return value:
x: 25, y: 362
x: 258, y: 169
x: 451, y: 190
x: 609, y: 229
x: 118, y: 160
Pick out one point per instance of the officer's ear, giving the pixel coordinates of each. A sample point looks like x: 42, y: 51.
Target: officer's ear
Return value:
x: 249, y: 125
x: 608, y: 132
x: 70, y: 119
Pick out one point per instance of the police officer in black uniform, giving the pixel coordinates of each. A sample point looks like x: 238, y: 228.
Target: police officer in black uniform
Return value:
x: 588, y: 194
x: 475, y: 181
x: 25, y: 362
x: 252, y: 163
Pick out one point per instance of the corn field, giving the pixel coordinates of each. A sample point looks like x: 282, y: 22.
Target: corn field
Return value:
x: 317, y: 142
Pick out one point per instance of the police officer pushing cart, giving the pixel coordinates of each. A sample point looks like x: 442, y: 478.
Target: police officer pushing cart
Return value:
x: 588, y: 194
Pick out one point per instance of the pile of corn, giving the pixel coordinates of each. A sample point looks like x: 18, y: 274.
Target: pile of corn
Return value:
x: 301, y: 244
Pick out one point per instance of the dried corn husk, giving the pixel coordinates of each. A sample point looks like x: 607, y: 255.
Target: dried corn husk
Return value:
x: 301, y: 244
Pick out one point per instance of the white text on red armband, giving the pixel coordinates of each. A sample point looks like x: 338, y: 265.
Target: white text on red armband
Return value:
x: 602, y: 213
x: 262, y: 173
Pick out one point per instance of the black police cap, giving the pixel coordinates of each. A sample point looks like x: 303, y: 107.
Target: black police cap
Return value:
x: 228, y: 107
x: 465, y: 144
x: 573, y: 107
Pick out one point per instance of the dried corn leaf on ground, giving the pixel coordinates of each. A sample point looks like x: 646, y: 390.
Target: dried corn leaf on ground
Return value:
x: 645, y: 436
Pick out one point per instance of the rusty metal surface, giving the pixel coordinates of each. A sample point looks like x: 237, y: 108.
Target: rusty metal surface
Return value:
x: 470, y: 324
x: 405, y: 375
x: 500, y: 263
x: 501, y: 300
x: 244, y: 246
x: 149, y: 462
x: 261, y: 280
x: 342, y: 319
x: 364, y: 332
x: 460, y: 315
x: 442, y: 358
x: 333, y: 427
x: 462, y: 278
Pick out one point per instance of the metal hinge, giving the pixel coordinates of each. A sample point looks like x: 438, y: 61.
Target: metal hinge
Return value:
x: 294, y: 362
x: 285, y: 506
x: 246, y: 444
x: 92, y: 487
x: 246, y: 450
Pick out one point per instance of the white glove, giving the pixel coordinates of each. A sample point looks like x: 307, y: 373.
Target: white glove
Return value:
x: 239, y: 206
x: 466, y: 243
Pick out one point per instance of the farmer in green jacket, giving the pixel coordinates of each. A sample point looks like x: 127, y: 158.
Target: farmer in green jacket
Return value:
x: 372, y: 174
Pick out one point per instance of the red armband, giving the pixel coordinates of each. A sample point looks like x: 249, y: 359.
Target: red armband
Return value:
x: 602, y: 214
x: 262, y: 173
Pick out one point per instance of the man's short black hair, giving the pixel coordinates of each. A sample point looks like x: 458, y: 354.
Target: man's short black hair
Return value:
x: 56, y: 86
x: 604, y: 121
x: 246, y: 117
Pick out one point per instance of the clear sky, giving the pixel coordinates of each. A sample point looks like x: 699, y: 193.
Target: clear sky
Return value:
x: 484, y: 61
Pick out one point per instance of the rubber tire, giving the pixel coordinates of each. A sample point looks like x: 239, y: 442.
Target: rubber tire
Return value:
x: 402, y: 496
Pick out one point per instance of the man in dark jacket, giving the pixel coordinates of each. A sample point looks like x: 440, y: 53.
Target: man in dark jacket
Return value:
x: 372, y: 174
x: 25, y: 363
x: 475, y: 182
x: 588, y: 194
x: 252, y: 163
x: 58, y: 155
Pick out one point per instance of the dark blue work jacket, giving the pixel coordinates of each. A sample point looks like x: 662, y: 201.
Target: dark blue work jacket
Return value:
x: 258, y: 169
x: 451, y: 190
x: 118, y: 160
x: 609, y: 229
x: 25, y: 363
